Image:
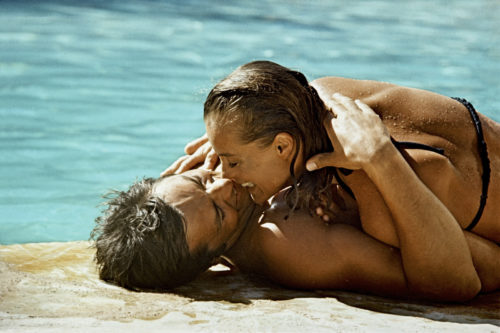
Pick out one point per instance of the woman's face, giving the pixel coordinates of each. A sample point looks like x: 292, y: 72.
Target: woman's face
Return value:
x: 214, y: 208
x: 263, y: 171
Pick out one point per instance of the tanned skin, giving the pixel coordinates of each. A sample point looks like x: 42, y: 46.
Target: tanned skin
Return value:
x: 404, y: 234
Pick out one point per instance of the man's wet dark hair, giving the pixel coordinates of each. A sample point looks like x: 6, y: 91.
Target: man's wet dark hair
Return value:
x: 140, y: 242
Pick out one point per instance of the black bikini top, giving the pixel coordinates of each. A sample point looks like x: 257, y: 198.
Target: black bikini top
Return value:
x: 483, y: 153
x: 399, y: 145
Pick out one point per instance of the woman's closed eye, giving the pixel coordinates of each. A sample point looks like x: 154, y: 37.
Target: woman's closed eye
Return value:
x: 232, y: 164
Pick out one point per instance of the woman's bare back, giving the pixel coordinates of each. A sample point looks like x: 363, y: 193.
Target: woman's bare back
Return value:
x: 438, y: 121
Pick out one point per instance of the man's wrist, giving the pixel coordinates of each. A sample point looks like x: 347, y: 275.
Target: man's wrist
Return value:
x: 383, y: 161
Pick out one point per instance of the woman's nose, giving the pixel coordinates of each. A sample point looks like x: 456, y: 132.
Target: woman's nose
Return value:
x: 227, y: 172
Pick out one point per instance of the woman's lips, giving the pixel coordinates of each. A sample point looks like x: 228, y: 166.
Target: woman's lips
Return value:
x: 241, y: 195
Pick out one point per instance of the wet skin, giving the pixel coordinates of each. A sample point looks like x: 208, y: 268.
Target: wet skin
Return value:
x: 300, y: 251
x: 215, y: 209
x: 266, y: 169
x: 412, y: 204
x: 409, y: 115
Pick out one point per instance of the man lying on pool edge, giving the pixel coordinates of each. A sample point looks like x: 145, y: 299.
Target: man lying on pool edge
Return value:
x: 412, y: 212
x: 162, y: 233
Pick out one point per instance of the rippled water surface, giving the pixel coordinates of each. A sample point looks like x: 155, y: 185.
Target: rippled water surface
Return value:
x: 94, y: 94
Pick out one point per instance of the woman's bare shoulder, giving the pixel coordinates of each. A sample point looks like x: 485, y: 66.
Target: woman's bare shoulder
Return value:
x: 353, y: 88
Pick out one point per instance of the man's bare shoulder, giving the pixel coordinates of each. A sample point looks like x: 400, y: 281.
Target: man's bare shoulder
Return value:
x: 299, y: 251
x: 302, y: 252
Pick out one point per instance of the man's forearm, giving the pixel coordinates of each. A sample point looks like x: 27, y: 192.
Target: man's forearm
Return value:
x: 433, y: 247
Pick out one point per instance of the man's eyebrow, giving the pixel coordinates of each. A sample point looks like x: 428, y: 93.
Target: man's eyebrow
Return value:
x: 218, y: 211
x: 196, y: 180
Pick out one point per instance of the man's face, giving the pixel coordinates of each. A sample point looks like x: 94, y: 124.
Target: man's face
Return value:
x: 212, y: 207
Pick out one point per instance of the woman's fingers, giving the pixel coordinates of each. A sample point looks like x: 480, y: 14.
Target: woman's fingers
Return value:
x: 204, y: 155
x: 211, y: 160
x: 190, y: 163
x: 173, y: 168
x: 193, y: 146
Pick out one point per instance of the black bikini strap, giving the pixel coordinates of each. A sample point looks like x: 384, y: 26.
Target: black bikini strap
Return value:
x: 399, y: 145
x: 341, y: 182
x: 416, y: 145
x: 483, y: 153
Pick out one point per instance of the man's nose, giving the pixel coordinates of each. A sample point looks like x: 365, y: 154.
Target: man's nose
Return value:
x: 223, y: 187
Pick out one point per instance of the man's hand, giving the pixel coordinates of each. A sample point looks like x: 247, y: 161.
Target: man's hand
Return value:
x: 197, y: 152
x: 356, y: 132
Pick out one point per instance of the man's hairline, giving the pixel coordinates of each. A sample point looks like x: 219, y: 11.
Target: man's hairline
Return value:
x: 201, y: 247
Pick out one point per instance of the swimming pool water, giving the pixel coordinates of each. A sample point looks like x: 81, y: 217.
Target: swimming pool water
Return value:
x: 94, y: 94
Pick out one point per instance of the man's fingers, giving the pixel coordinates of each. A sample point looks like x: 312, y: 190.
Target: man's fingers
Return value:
x: 320, y: 161
x: 363, y: 106
x: 193, y: 146
x: 346, y: 102
x: 329, y: 124
x: 332, y: 101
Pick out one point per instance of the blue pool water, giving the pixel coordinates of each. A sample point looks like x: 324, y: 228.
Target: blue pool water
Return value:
x: 94, y: 94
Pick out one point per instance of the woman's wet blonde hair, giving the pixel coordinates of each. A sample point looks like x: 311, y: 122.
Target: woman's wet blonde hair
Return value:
x: 263, y: 99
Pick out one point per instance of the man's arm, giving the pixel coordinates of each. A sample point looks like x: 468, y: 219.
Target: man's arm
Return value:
x: 432, y: 244
x: 303, y: 252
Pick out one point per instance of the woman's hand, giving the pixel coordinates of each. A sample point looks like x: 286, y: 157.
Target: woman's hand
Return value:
x: 197, y: 152
x: 330, y: 206
x: 356, y: 132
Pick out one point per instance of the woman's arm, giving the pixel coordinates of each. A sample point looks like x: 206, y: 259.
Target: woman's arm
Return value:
x: 435, y: 255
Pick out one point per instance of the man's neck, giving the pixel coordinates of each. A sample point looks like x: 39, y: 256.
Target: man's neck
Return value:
x: 237, y: 252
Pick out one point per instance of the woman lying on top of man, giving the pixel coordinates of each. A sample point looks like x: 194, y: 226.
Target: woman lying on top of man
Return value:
x: 341, y: 183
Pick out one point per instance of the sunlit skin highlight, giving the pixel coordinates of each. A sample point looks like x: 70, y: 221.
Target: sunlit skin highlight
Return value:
x: 214, y: 208
x: 262, y: 170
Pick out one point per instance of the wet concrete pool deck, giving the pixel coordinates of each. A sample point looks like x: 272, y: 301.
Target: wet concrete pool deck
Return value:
x: 50, y: 287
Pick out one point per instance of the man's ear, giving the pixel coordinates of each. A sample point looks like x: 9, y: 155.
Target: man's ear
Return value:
x: 283, y: 145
